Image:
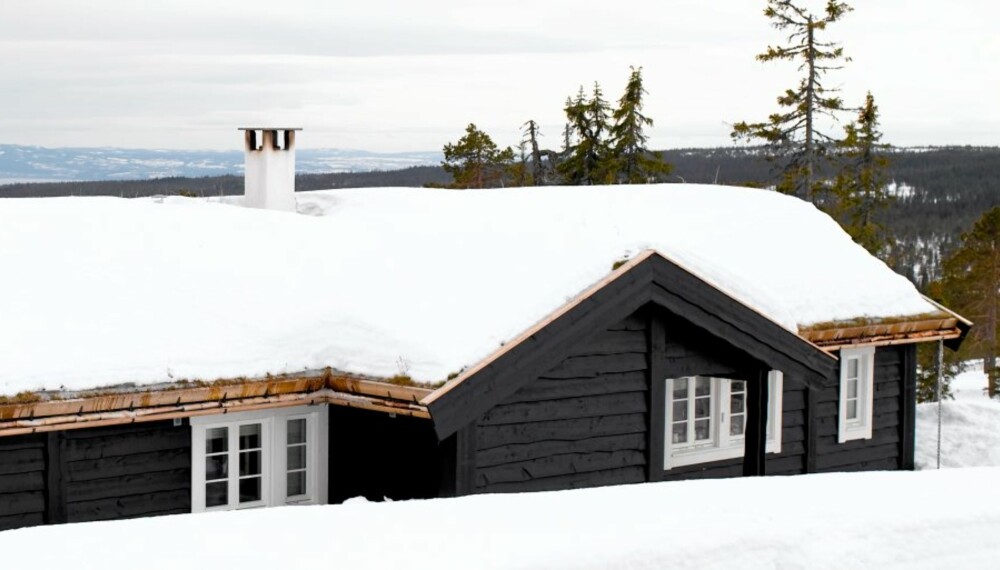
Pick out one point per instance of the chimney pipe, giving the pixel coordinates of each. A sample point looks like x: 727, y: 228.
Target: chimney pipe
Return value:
x: 269, y: 178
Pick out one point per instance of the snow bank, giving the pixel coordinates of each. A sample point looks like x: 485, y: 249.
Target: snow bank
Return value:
x: 936, y: 519
x: 970, y: 425
x: 384, y: 281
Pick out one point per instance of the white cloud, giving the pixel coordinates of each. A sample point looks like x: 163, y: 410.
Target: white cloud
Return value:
x: 392, y: 75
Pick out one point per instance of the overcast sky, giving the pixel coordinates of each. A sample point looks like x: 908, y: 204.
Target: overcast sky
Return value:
x: 406, y: 75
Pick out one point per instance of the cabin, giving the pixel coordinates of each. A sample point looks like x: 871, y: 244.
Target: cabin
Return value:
x: 179, y: 355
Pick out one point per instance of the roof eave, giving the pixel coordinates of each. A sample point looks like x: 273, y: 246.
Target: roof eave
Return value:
x: 113, y: 407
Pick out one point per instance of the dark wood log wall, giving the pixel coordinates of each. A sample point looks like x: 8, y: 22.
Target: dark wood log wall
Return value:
x: 95, y: 474
x: 587, y: 421
x: 581, y: 424
x: 893, y: 370
x: 22, y: 481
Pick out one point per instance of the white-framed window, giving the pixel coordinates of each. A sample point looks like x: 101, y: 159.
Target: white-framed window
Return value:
x: 706, y: 419
x: 857, y: 393
x: 261, y: 458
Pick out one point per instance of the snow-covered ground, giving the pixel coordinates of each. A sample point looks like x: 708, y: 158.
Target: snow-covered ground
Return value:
x: 384, y: 281
x: 970, y: 425
x: 931, y: 519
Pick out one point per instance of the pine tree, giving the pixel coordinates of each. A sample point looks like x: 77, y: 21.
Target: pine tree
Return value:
x: 632, y: 162
x: 861, y: 188
x: 475, y: 162
x: 971, y: 286
x: 587, y: 161
x: 791, y: 135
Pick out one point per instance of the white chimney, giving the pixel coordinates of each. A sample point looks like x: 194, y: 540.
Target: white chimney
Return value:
x: 269, y: 180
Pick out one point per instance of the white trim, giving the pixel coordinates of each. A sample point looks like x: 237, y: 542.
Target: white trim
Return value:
x: 861, y: 427
x: 722, y: 445
x: 273, y: 456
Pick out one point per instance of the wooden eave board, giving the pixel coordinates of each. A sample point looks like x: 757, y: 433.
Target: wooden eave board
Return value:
x: 126, y: 406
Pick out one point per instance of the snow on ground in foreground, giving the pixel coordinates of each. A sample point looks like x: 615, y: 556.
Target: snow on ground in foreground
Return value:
x: 970, y: 425
x: 383, y: 281
x: 930, y: 519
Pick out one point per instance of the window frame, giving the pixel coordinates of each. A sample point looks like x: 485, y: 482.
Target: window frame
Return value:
x: 722, y: 445
x: 274, y: 426
x: 860, y: 428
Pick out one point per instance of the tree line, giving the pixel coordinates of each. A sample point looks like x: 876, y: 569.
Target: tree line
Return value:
x: 601, y: 145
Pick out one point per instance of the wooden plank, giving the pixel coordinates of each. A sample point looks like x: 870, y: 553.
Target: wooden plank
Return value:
x: 572, y: 408
x: 529, y: 451
x: 112, y: 487
x: 793, y: 398
x: 22, y: 460
x: 837, y: 461
x: 785, y: 465
x: 624, y: 476
x: 545, y: 389
x: 591, y: 366
x: 633, y: 322
x: 908, y: 409
x: 18, y: 482
x: 127, y: 441
x: 656, y: 434
x: 812, y: 428
x: 755, y: 438
x: 613, y: 342
x: 885, y: 464
x: 55, y: 478
x: 20, y: 443
x: 20, y: 521
x: 793, y: 435
x: 714, y: 470
x: 22, y: 503
x: 120, y: 466
x: 465, y: 467
x: 557, y: 465
x: 560, y: 430
x: 794, y: 418
x: 134, y: 505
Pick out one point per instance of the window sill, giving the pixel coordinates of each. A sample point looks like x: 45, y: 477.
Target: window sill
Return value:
x: 708, y: 455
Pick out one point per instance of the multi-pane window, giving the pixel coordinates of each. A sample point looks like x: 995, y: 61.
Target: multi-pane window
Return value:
x: 857, y: 386
x: 262, y: 458
x: 297, y: 457
x: 707, y: 419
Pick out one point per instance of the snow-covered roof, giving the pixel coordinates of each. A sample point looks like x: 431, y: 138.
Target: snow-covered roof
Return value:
x: 385, y: 281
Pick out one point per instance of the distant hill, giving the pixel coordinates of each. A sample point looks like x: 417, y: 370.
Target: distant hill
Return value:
x: 940, y: 191
x: 39, y: 164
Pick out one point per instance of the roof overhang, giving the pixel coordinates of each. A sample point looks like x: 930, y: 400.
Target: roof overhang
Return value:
x: 943, y: 324
x: 32, y: 414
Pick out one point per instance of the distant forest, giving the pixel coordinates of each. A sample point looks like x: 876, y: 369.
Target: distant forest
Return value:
x: 940, y: 192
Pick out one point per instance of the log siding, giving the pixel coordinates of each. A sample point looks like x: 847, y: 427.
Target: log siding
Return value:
x: 580, y: 424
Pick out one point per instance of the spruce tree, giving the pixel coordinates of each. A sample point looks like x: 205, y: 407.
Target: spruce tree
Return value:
x: 791, y: 136
x: 587, y: 161
x: 861, y: 188
x: 971, y: 286
x: 475, y: 161
x: 631, y: 161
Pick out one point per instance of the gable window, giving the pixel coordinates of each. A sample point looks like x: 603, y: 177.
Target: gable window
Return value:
x: 857, y: 388
x: 257, y: 459
x: 706, y: 419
